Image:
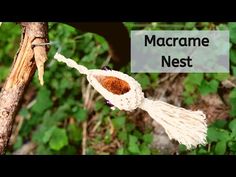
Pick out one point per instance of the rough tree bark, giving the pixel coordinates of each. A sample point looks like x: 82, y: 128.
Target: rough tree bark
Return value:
x: 23, y: 68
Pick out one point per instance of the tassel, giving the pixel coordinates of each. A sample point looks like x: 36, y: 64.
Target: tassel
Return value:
x: 186, y: 126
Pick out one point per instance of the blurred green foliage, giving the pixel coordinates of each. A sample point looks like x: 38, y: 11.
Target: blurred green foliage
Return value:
x: 221, y: 137
x: 54, y: 118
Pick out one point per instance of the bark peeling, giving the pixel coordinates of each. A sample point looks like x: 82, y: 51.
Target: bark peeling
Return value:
x: 22, y: 70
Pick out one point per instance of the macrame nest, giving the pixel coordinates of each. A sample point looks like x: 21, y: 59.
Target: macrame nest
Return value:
x: 125, y: 93
x: 121, y: 90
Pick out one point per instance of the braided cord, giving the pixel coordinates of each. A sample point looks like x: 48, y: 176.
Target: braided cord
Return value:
x: 71, y: 63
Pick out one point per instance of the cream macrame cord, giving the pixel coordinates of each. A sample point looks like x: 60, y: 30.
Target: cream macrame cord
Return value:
x: 186, y: 126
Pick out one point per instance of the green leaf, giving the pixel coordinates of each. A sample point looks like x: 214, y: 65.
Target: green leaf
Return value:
x: 182, y: 148
x: 58, y: 139
x: 191, y: 82
x: 189, y: 100
x: 208, y: 87
x: 219, y: 123
x: 137, y: 133
x: 233, y: 108
x: 147, y: 138
x: 48, y: 134
x: 61, y: 113
x: 119, y: 122
x: 154, y: 76
x: 105, y: 110
x: 130, y: 127
x: 81, y: 115
x: 90, y: 151
x: 24, y: 113
x: 232, y: 94
x: 68, y: 150
x: 223, y: 135
x: 133, y: 145
x: 18, y: 143
x: 64, y: 84
x: 143, y: 79
x: 194, y: 78
x: 47, y: 121
x: 43, y: 150
x: 99, y: 105
x: 74, y: 133
x: 232, y: 100
x: 130, y: 25
x: 220, y: 148
x: 189, y: 25
x: 123, y: 136
x: 220, y: 76
x: 102, y: 41
x: 107, y: 137
x: 3, y: 73
x: 222, y: 27
x: 232, y: 127
x: 55, y: 84
x: 215, y: 134
x: 233, y: 55
x: 193, y: 152
x: 120, y: 151
x: 232, y: 146
x: 189, y: 87
x: 144, y: 150
x: 38, y: 135
x: 43, y: 101
x: 232, y: 29
x: 202, y: 151
x: 115, y: 113
x: 233, y: 70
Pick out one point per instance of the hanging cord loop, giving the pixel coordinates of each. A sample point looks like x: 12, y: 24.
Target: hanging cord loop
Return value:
x: 71, y: 63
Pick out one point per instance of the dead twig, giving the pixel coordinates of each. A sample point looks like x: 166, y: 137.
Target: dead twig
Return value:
x: 87, y: 94
x: 26, y: 149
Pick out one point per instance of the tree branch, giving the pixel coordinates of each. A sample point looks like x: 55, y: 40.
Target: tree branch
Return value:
x: 23, y: 68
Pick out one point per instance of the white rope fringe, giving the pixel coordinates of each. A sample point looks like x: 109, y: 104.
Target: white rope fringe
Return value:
x: 186, y: 126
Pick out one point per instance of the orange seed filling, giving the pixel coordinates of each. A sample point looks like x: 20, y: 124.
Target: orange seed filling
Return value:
x: 113, y: 84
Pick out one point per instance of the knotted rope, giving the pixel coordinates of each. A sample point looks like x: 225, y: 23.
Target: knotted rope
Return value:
x: 124, y: 92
